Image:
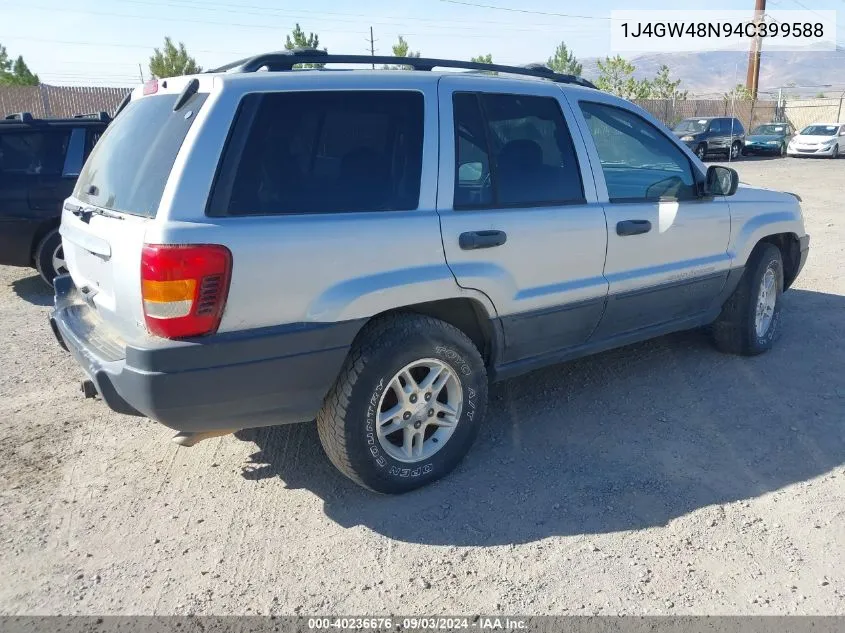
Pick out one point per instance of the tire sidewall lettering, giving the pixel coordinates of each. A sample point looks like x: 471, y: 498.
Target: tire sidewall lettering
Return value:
x: 389, y: 466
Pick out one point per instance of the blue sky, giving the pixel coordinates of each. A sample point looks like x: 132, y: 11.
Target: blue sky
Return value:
x: 101, y: 42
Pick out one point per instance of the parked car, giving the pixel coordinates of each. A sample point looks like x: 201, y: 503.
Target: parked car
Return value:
x: 769, y: 138
x: 819, y: 139
x: 39, y: 162
x: 370, y: 248
x: 712, y: 135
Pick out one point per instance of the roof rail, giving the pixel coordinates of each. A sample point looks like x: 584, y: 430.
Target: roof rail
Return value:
x: 100, y: 116
x: 19, y: 116
x: 286, y: 60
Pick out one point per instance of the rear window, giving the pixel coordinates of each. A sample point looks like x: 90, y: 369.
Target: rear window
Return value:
x: 322, y: 152
x: 129, y: 166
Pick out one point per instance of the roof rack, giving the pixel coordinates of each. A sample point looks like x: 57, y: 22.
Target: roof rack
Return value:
x: 19, y: 116
x: 100, y: 116
x: 286, y: 60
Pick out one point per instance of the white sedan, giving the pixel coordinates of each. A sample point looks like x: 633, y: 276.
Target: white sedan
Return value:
x: 819, y: 139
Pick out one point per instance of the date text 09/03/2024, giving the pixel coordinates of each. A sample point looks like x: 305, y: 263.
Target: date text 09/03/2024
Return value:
x: 418, y: 623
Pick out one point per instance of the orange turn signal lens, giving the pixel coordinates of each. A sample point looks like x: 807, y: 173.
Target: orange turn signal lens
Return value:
x: 168, y: 291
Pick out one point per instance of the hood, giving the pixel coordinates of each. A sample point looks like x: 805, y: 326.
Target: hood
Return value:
x: 812, y: 139
x: 682, y: 134
x: 762, y: 138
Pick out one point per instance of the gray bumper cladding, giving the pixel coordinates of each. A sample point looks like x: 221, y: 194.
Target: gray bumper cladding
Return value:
x: 259, y: 377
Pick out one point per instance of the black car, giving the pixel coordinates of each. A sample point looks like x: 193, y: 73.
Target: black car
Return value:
x: 40, y: 160
x: 712, y: 135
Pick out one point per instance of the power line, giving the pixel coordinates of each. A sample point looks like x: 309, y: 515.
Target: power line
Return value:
x: 238, y: 8
x: 560, y: 15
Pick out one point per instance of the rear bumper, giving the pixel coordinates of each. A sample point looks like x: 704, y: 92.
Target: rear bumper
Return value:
x: 259, y: 377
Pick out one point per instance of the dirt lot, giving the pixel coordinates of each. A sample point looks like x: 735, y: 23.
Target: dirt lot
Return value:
x: 660, y: 478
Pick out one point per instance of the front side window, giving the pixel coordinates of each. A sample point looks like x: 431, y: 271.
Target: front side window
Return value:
x: 638, y: 161
x: 37, y: 153
x: 323, y: 152
x: 718, y: 126
x: 513, y: 151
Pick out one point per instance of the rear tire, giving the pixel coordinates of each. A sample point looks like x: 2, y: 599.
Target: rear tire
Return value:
x: 735, y: 151
x: 750, y: 320
x: 353, y: 423
x: 49, y: 257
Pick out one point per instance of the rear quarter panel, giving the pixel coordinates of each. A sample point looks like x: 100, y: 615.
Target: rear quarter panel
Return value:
x: 316, y: 267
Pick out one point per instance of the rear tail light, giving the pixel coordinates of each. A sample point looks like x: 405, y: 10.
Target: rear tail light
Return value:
x: 151, y: 87
x: 184, y: 288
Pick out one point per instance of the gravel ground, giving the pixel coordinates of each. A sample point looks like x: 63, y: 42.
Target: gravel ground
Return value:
x: 660, y: 478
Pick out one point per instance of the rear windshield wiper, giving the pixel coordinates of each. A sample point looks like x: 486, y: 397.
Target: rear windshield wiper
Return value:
x: 85, y: 213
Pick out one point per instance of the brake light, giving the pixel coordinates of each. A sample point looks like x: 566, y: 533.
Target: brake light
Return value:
x: 151, y: 87
x: 184, y: 288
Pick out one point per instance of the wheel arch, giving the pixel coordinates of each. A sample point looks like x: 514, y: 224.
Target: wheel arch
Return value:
x: 790, y: 252
x: 467, y: 314
x: 46, y: 227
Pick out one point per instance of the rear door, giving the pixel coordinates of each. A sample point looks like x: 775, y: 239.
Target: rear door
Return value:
x: 117, y: 196
x: 519, y: 215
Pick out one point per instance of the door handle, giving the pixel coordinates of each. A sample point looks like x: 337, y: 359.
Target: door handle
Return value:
x: 633, y: 227
x: 473, y: 240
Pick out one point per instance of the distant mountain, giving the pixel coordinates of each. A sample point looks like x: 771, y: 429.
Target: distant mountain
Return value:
x: 713, y: 73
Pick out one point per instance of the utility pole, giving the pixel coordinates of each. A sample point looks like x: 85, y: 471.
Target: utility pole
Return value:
x: 752, y: 80
x: 372, y: 46
x: 141, y: 73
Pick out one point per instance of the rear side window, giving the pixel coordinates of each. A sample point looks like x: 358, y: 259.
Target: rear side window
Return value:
x: 513, y: 151
x: 322, y: 152
x: 130, y: 164
x: 36, y: 153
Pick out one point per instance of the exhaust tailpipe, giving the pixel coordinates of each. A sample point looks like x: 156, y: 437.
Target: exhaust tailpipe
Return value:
x: 88, y: 389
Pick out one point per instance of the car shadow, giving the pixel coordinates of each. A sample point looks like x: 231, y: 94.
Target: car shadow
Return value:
x: 34, y: 290
x: 629, y: 439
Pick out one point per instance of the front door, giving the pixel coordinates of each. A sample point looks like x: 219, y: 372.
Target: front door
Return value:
x: 667, y: 256
x: 519, y: 217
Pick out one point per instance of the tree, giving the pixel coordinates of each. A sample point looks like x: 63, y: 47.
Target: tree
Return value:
x: 664, y: 88
x: 565, y: 62
x: 821, y: 95
x: 739, y: 93
x: 173, y: 61
x: 616, y: 76
x: 15, y: 73
x: 297, y: 39
x: 484, y: 59
x: 402, y: 49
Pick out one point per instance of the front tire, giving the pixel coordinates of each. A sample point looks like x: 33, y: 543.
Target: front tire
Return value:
x: 49, y: 257
x: 701, y: 151
x: 407, y: 404
x: 835, y: 152
x: 750, y: 320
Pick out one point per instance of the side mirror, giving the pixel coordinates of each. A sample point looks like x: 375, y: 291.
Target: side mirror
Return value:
x: 721, y: 181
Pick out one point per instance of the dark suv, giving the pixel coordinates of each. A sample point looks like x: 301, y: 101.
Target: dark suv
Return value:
x: 712, y: 135
x: 40, y: 160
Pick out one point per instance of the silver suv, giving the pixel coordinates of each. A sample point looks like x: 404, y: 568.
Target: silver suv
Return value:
x: 370, y: 249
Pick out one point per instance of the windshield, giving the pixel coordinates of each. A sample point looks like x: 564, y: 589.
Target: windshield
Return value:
x: 770, y: 130
x: 130, y: 165
x: 820, y: 130
x: 692, y: 126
